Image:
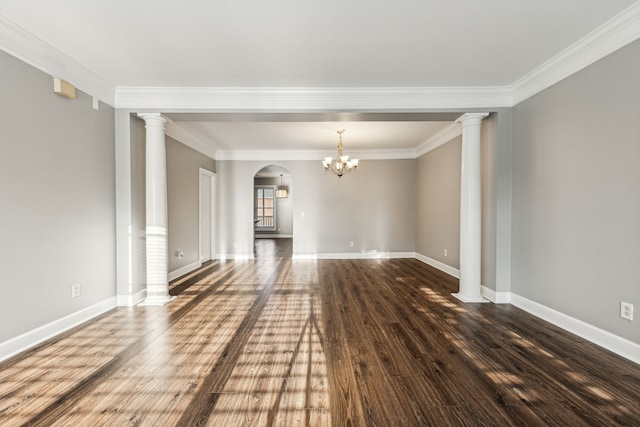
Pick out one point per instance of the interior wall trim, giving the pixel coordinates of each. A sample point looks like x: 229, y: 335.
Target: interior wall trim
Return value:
x: 614, y: 34
x: 621, y: 346
x: 179, y: 133
x: 313, y: 155
x: 439, y: 265
x: 309, y: 99
x: 35, y: 336
x: 445, y: 135
x: 495, y: 297
x: 28, y: 48
x: 619, y: 31
x: 183, y: 270
x: 235, y: 256
x: 354, y: 255
x: 131, y: 300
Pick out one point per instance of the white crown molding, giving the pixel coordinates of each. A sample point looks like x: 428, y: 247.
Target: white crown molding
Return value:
x: 25, y: 46
x: 272, y: 155
x: 180, y: 99
x: 614, y: 34
x: 180, y: 134
x: 619, y: 31
x: 445, y: 135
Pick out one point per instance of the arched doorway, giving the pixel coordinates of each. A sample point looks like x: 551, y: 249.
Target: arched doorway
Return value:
x: 273, y: 212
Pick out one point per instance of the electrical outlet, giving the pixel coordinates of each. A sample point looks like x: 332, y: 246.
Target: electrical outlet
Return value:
x: 350, y: 244
x: 445, y: 252
x: 626, y: 310
x: 75, y: 290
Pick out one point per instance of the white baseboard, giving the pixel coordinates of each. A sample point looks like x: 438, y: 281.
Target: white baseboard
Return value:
x: 614, y: 343
x: 237, y: 257
x: 355, y: 255
x: 131, y: 300
x: 183, y: 270
x: 439, y: 265
x: 273, y: 236
x: 496, y: 297
x: 36, y: 336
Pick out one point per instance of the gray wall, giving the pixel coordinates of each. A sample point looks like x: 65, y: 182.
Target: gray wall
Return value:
x: 183, y: 182
x: 57, y: 190
x: 438, y: 203
x: 576, y: 194
x: 374, y: 207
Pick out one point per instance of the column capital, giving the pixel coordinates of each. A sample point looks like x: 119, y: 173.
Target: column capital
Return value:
x: 153, y: 119
x: 471, y: 118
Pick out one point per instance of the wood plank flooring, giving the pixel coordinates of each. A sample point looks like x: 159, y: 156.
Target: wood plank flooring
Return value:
x: 318, y: 343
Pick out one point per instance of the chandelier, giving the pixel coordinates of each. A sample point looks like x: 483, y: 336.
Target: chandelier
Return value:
x: 342, y: 164
x: 282, y: 192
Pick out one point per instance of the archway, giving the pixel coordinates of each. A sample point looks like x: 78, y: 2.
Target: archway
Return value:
x: 272, y: 212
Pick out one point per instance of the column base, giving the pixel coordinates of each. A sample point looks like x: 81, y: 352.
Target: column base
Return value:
x: 465, y: 298
x: 157, y: 300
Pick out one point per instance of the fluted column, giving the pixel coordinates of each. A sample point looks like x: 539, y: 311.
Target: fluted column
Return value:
x: 156, y: 207
x: 470, y: 209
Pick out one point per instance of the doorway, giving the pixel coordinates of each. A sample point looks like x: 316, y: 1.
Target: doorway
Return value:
x: 207, y: 212
x: 273, y: 212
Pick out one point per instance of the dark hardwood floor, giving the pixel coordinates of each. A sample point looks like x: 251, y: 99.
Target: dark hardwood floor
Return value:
x: 328, y: 342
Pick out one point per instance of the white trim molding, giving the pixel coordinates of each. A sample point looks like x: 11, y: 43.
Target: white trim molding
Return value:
x: 236, y: 257
x: 612, y: 35
x: 131, y: 300
x: 36, y: 336
x: 618, y: 32
x: 314, y: 155
x: 173, y: 275
x: 614, y: 343
x: 445, y: 135
x: 354, y: 255
x: 180, y: 134
x: 184, y: 99
x: 273, y: 236
x: 496, y: 297
x: 28, y: 48
x: 439, y: 265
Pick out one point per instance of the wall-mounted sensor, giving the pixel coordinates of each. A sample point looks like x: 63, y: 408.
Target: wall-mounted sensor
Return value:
x: 63, y: 88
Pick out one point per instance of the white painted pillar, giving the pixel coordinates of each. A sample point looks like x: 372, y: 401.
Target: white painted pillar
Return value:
x: 156, y: 207
x: 470, y: 209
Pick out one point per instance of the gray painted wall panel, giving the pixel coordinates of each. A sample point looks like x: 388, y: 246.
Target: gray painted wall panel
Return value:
x: 576, y: 194
x: 183, y: 199
x: 438, y: 203
x: 57, y: 190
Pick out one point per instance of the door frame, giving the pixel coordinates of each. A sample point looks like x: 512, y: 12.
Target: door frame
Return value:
x: 212, y: 211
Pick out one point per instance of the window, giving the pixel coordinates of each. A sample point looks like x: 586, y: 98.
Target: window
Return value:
x: 265, y: 203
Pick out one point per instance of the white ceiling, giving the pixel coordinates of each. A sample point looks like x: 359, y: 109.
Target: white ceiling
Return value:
x: 311, y: 44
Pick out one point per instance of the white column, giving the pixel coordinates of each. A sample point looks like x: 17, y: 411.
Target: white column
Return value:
x: 470, y: 209
x: 156, y: 207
